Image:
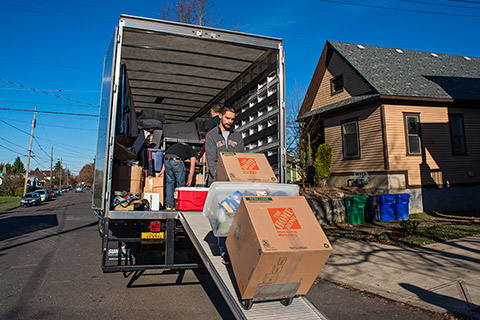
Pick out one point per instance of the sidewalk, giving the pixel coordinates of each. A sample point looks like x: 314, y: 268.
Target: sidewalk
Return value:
x: 442, y: 277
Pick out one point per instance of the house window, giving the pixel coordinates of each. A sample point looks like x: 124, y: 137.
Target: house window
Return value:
x: 351, y: 147
x: 412, y: 132
x: 457, y: 134
x: 336, y: 84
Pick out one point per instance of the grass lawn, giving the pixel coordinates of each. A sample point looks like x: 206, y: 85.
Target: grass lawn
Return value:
x: 8, y: 199
x: 432, y: 228
x: 10, y: 206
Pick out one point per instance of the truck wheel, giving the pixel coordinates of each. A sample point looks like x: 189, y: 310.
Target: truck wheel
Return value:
x: 286, y: 302
x: 247, y: 304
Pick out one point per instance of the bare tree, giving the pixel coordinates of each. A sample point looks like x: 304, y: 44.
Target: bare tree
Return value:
x: 199, y: 12
x: 299, y: 133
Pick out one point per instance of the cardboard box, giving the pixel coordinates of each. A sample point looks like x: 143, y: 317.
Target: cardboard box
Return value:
x: 153, y: 184
x: 127, y: 178
x: 121, y: 153
x: 276, y: 246
x: 244, y: 167
x: 154, y: 199
x: 190, y: 199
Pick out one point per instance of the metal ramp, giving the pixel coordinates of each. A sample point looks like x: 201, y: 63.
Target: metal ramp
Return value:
x: 198, y: 228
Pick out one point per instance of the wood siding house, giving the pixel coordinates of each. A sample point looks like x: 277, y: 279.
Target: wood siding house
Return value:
x: 410, y: 119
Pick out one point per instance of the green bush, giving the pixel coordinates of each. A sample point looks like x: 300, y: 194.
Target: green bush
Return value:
x: 410, y: 225
x: 19, y: 192
x: 323, y: 161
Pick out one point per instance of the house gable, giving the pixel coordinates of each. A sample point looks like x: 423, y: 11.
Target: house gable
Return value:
x: 330, y: 66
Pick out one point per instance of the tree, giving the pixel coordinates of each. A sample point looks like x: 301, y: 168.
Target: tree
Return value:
x: 323, y: 161
x: 18, y: 166
x: 10, y: 183
x: 86, y: 174
x: 301, y: 135
x: 199, y: 12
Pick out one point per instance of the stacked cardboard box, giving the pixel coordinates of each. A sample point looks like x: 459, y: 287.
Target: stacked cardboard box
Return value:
x: 128, y: 178
x: 153, y: 189
x: 277, y: 247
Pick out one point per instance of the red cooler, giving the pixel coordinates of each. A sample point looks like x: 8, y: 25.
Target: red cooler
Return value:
x: 190, y: 199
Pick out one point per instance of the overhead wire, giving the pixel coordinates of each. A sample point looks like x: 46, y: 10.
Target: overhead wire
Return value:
x: 52, y: 125
x: 400, y: 9
x: 52, y: 112
x: 49, y: 94
x: 440, y: 4
x: 46, y: 103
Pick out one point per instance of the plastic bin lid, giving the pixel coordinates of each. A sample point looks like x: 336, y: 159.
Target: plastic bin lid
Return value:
x: 386, y: 196
x: 221, y: 190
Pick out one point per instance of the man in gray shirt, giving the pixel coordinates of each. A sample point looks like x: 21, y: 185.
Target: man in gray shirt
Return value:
x: 222, y: 138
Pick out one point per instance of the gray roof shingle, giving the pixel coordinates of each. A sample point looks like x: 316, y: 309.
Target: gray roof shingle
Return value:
x: 411, y: 73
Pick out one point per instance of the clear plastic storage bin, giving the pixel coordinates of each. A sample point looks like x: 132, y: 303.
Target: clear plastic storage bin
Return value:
x: 223, y: 199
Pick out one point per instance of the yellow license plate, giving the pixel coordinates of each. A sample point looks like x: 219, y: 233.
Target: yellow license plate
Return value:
x: 152, y: 235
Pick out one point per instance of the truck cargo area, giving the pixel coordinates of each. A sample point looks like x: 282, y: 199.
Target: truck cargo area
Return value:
x: 160, y: 80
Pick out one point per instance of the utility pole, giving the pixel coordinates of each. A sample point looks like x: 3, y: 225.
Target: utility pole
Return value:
x: 61, y: 169
x: 30, y: 151
x: 51, y: 168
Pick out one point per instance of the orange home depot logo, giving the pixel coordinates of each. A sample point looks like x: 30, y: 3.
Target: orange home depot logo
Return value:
x: 248, y: 164
x: 284, y: 218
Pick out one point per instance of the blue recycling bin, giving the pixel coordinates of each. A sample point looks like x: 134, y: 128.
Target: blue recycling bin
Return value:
x: 402, y: 201
x: 157, y: 157
x: 386, y: 203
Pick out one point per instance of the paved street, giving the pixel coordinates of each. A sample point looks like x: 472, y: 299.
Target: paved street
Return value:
x: 50, y: 269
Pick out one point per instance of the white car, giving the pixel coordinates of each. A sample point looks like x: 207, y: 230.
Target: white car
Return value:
x: 79, y: 189
x: 43, y: 194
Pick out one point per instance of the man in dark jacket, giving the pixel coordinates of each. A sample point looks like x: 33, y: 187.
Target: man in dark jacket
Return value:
x: 222, y: 138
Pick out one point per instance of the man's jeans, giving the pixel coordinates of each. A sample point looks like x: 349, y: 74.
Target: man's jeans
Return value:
x: 221, y: 245
x: 175, y: 176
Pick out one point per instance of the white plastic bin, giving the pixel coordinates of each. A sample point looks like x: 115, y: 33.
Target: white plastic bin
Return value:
x: 220, y: 220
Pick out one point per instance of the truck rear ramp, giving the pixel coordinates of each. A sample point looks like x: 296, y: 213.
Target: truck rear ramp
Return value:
x: 198, y: 228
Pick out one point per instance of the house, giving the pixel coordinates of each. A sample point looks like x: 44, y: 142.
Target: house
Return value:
x: 41, y: 178
x: 410, y: 119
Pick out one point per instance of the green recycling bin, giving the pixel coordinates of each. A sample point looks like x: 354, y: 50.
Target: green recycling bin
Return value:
x: 355, y: 207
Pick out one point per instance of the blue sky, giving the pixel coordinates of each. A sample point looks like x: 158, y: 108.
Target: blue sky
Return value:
x: 58, y: 47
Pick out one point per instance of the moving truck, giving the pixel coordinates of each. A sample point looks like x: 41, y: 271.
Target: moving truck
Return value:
x: 179, y: 71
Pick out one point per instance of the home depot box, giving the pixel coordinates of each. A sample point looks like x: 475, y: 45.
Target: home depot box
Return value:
x: 153, y: 185
x: 190, y: 199
x: 128, y: 178
x: 277, y: 247
x: 244, y: 167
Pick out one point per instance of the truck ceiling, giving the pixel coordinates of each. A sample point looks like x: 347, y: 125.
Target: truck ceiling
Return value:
x: 182, y: 70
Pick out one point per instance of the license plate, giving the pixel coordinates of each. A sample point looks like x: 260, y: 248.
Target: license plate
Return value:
x: 152, y: 235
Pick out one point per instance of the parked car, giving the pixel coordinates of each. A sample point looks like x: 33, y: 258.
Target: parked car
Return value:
x: 64, y: 189
x: 57, y: 191
x: 52, y: 193
x: 79, y: 189
x: 44, y: 195
x: 30, y: 199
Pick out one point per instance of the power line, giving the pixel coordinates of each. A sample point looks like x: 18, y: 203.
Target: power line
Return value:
x: 53, y: 90
x: 52, y: 125
x: 17, y: 145
x: 467, y: 1
x: 440, y: 4
x: 9, y: 149
x: 399, y: 9
x: 46, y: 103
x: 49, y: 94
x: 8, y: 124
x: 53, y: 112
